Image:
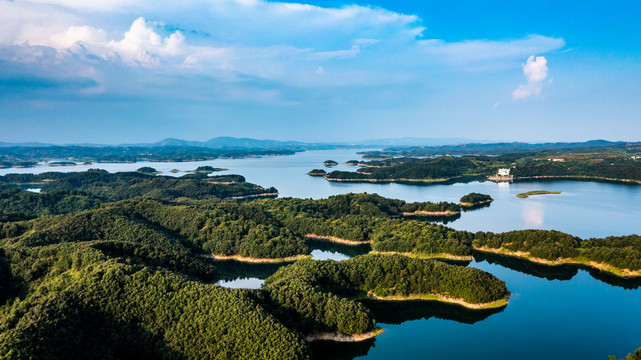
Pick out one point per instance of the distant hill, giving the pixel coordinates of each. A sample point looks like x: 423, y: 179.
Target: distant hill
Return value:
x: 232, y: 142
x: 25, y: 144
x: 503, y: 148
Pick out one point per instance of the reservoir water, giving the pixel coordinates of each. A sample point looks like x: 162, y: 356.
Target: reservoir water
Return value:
x: 554, y: 313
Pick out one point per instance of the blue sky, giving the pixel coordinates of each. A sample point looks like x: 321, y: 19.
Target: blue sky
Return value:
x: 123, y: 71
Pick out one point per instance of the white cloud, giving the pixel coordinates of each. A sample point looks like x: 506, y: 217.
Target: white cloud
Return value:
x: 535, y: 70
x: 245, y: 42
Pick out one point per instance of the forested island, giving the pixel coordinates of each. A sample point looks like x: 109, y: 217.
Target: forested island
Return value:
x: 475, y: 200
x: 317, y: 172
x: 603, y: 165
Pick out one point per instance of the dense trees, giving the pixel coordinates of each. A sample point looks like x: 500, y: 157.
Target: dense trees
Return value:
x: 474, y: 198
x: 314, y: 294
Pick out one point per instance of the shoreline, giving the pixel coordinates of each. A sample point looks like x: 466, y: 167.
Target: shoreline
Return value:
x: 337, y: 240
x: 427, y: 181
x: 579, y: 177
x: 603, y: 267
x: 253, y: 260
x: 470, y: 205
x: 431, y: 213
x: 340, y: 337
x: 436, y: 256
x: 441, y: 298
x: 251, y: 196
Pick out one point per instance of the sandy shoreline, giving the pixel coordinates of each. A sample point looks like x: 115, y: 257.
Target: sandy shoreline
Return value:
x: 339, y: 337
x: 258, y: 260
x: 337, y: 240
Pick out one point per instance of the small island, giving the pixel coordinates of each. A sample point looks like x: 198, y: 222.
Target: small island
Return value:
x: 351, y: 162
x: 475, y: 199
x: 330, y: 163
x: 62, y: 163
x: 148, y: 170
x: 536, y: 192
x: 206, y: 169
x: 317, y: 172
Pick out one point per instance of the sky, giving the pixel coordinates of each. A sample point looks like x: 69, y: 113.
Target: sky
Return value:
x: 119, y: 71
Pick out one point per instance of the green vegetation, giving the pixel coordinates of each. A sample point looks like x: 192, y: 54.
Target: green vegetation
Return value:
x: 330, y: 163
x: 616, y: 252
x: 206, y: 169
x: 316, y: 294
x: 17, y: 164
x: 439, y: 169
x: 475, y: 199
x: 536, y: 192
x: 635, y: 356
x: 147, y: 170
x: 317, y: 172
x: 351, y: 162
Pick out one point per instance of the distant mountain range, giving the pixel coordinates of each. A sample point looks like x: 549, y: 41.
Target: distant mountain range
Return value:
x: 407, y: 146
x: 248, y: 143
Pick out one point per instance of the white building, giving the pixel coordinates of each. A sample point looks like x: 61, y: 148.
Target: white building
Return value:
x: 504, y: 172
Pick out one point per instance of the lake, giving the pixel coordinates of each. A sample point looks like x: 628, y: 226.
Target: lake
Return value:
x: 554, y: 313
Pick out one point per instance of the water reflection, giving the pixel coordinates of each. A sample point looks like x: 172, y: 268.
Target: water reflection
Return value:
x: 558, y: 272
x: 561, y: 272
x: 340, y: 351
x: 329, y: 250
x: 533, y: 215
x: 398, y: 312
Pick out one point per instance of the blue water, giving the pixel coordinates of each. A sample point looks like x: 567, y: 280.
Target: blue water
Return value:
x: 576, y: 315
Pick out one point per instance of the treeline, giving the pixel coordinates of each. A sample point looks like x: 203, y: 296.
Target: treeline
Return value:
x: 315, y: 295
x: 18, y: 204
x: 611, y: 168
x: 25, y: 156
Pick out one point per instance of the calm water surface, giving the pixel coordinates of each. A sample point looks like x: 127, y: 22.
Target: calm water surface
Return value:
x: 554, y: 313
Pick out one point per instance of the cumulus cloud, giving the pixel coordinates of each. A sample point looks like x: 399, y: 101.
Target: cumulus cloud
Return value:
x: 246, y: 43
x: 535, y: 70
